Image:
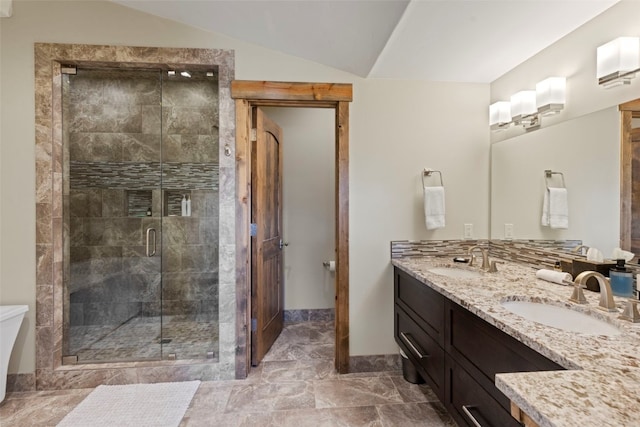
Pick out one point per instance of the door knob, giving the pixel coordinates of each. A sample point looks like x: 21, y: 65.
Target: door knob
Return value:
x: 283, y: 244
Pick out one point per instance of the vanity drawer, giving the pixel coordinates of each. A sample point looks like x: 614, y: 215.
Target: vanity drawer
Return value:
x: 421, y: 349
x: 421, y: 302
x: 466, y: 399
x: 473, y: 341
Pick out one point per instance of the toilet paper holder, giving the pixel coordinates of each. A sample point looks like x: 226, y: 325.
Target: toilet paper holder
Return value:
x: 329, y: 265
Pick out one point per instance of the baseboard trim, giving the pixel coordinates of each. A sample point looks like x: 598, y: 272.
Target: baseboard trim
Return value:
x: 310, y: 315
x: 21, y: 382
x: 375, y: 363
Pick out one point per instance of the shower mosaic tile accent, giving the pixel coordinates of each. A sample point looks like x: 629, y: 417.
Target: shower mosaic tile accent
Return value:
x: 130, y: 176
x: 127, y: 136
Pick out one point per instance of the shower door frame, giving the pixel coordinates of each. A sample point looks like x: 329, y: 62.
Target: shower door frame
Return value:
x: 50, y: 371
x: 337, y: 96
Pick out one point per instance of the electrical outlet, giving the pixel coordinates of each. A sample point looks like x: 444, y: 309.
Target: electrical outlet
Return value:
x: 468, y: 231
x: 508, y: 231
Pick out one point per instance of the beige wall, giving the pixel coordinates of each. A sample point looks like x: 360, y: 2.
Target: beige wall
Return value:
x: 583, y: 141
x: 397, y: 128
x: 308, y: 209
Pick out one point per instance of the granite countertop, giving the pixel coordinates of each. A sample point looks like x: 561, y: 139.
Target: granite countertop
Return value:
x: 601, y: 386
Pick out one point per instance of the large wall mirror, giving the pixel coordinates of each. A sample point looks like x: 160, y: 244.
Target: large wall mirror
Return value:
x: 587, y: 151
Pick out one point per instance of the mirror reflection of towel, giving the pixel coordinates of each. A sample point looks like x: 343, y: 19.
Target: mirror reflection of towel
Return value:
x: 555, y: 208
x: 434, y: 207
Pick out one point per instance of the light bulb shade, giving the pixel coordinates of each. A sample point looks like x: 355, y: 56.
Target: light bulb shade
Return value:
x: 499, y: 114
x: 619, y: 58
x: 523, y: 104
x: 551, y: 95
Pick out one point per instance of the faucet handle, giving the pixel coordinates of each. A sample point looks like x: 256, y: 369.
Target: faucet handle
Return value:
x: 630, y: 312
x: 472, y: 260
x: 486, y: 265
x: 492, y: 266
x: 578, y: 296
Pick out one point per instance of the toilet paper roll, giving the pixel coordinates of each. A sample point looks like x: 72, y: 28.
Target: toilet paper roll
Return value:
x: 330, y: 265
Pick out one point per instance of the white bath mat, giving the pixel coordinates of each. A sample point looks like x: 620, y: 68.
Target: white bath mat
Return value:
x: 153, y: 405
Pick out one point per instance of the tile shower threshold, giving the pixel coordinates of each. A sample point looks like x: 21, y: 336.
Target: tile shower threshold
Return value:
x: 141, y: 364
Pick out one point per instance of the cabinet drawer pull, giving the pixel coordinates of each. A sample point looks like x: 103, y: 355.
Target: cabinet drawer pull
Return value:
x: 465, y: 409
x: 415, y: 348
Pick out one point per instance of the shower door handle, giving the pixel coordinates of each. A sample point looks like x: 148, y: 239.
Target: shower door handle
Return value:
x: 151, y: 252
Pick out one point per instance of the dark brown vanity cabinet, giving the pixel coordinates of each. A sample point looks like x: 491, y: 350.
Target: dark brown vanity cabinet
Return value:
x: 419, y: 328
x: 458, y: 354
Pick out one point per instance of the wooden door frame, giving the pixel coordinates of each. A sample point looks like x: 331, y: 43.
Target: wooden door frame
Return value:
x: 628, y: 110
x: 249, y: 94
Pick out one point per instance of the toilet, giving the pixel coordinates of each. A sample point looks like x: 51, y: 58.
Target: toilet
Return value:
x: 10, y: 319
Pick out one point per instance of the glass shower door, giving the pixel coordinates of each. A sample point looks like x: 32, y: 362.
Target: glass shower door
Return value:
x: 190, y: 219
x: 140, y: 179
x: 112, y: 125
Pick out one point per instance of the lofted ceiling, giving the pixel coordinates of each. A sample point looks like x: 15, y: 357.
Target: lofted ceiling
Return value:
x: 436, y: 40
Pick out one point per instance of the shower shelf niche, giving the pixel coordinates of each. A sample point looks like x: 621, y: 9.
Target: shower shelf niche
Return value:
x: 173, y: 201
x: 139, y: 202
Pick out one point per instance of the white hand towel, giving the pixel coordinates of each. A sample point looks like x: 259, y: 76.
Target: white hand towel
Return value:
x: 554, y: 276
x: 434, y: 207
x: 555, y: 208
x: 620, y: 254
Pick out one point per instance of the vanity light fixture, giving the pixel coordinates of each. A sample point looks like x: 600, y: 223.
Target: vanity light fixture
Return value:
x: 500, y: 115
x: 185, y: 74
x: 618, y: 61
x: 524, y: 110
x: 551, y: 95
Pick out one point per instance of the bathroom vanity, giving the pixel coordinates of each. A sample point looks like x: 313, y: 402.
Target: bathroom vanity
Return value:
x: 491, y: 367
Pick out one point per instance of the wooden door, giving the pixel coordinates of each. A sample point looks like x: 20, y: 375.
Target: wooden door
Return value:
x: 267, y: 287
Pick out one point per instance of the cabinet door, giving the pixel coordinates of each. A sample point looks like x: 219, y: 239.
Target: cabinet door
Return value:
x: 488, y: 348
x: 469, y: 403
x: 422, y: 350
x: 422, y: 303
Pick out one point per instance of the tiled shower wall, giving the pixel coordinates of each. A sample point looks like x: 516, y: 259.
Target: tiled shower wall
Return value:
x: 118, y: 126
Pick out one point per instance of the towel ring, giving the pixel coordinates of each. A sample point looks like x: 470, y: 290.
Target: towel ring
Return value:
x: 428, y: 172
x: 547, y: 176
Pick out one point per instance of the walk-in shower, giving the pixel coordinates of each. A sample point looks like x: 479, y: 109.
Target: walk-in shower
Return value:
x: 140, y: 214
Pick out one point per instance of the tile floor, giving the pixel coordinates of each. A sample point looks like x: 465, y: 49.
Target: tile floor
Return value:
x: 295, y: 385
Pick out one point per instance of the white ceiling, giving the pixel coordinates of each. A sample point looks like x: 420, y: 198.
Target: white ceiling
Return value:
x: 436, y: 40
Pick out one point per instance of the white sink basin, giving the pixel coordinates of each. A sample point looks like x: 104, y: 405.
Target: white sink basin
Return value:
x: 457, y: 273
x: 561, y: 318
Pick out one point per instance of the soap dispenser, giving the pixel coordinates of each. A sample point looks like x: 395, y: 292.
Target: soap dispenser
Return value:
x: 621, y: 280
x: 183, y: 205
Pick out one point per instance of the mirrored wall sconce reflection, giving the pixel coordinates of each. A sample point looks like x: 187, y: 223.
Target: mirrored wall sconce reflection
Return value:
x: 523, y: 108
x: 618, y: 61
x: 526, y: 107
x: 551, y: 95
x: 500, y: 115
